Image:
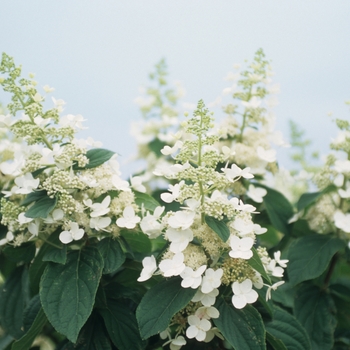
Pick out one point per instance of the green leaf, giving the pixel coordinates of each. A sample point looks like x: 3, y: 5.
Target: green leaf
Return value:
x: 38, y: 266
x: 278, y: 208
x: 112, y: 253
x: 287, y: 329
x: 121, y: 325
x: 243, y: 329
x: 307, y: 199
x: 310, y: 255
x: 33, y: 197
x: 144, y: 200
x: 256, y: 264
x: 27, y: 340
x: 30, y: 312
x: 219, y: 227
x: 315, y: 310
x: 67, y: 292
x: 42, y: 208
x: 13, y: 299
x: 276, y: 343
x: 96, y: 156
x: 137, y: 241
x: 56, y: 255
x: 284, y: 295
x: 93, y: 336
x: 160, y: 304
x: 23, y: 253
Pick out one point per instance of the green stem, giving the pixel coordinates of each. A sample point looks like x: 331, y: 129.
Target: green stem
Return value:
x: 199, y: 164
x: 240, y: 138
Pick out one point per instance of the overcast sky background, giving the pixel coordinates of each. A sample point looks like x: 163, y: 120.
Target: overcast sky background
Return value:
x: 97, y: 53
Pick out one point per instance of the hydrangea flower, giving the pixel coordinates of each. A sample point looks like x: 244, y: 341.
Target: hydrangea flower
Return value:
x: 179, y: 239
x: 211, y: 280
x: 243, y: 294
x: 192, y: 279
x: 241, y: 247
x: 177, y: 343
x: 207, y: 299
x: 182, y: 219
x: 198, y: 327
x: 256, y: 193
x: 129, y: 219
x: 149, y: 267
x: 75, y: 233
x: 174, y: 266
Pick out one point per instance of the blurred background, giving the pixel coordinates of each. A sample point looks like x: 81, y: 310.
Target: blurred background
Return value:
x: 96, y: 54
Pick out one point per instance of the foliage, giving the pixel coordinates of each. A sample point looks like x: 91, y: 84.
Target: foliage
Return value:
x: 200, y: 250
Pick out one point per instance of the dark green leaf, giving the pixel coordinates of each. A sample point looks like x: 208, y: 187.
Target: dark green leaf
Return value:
x: 30, y: 312
x: 310, y: 255
x: 315, y: 310
x: 112, y: 253
x: 307, y: 199
x: 144, y: 200
x: 121, y: 325
x: 96, y: 156
x: 278, y: 209
x: 219, y: 227
x: 33, y: 197
x: 67, y: 292
x: 276, y: 343
x: 243, y: 329
x: 160, y: 304
x: 287, y: 329
x: 13, y: 299
x: 37, y: 267
x: 93, y: 336
x: 137, y: 241
x: 23, y: 253
x: 27, y: 340
x: 155, y: 146
x: 57, y: 255
x: 42, y: 208
x: 284, y: 295
x: 256, y: 264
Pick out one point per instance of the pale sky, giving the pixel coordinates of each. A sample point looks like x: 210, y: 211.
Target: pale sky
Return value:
x: 97, y: 53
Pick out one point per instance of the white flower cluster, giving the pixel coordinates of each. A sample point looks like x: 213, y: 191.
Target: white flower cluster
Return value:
x: 196, y: 252
x: 78, y: 183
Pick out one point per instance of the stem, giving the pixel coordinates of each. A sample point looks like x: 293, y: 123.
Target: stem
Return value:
x: 199, y: 164
x: 240, y: 138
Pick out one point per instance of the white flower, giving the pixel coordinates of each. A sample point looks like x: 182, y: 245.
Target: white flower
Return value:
x: 25, y: 184
x: 179, y: 239
x: 100, y: 223
x: 75, y: 233
x: 342, y: 221
x: 342, y: 166
x: 136, y: 184
x: 149, y: 266
x: 239, y: 205
x: 266, y: 155
x: 258, y: 230
x: 211, y: 280
x: 150, y: 224
x: 207, y: 312
x: 177, y: 343
x: 344, y: 193
x: 48, y: 89
x: 198, y: 327
x: 74, y: 121
x: 166, y: 150
x: 235, y: 172
x: 241, y: 247
x: 175, y: 191
x: 13, y: 167
x: 182, y: 219
x: 276, y: 271
x: 253, y: 103
x: 207, y: 299
x: 129, y: 219
x: 244, y: 227
x: 8, y: 238
x: 273, y: 287
x: 22, y: 219
x: 98, y: 209
x: 282, y: 263
x: 55, y: 216
x: 191, y: 278
x: 174, y: 266
x: 120, y: 184
x: 256, y: 193
x: 243, y: 294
